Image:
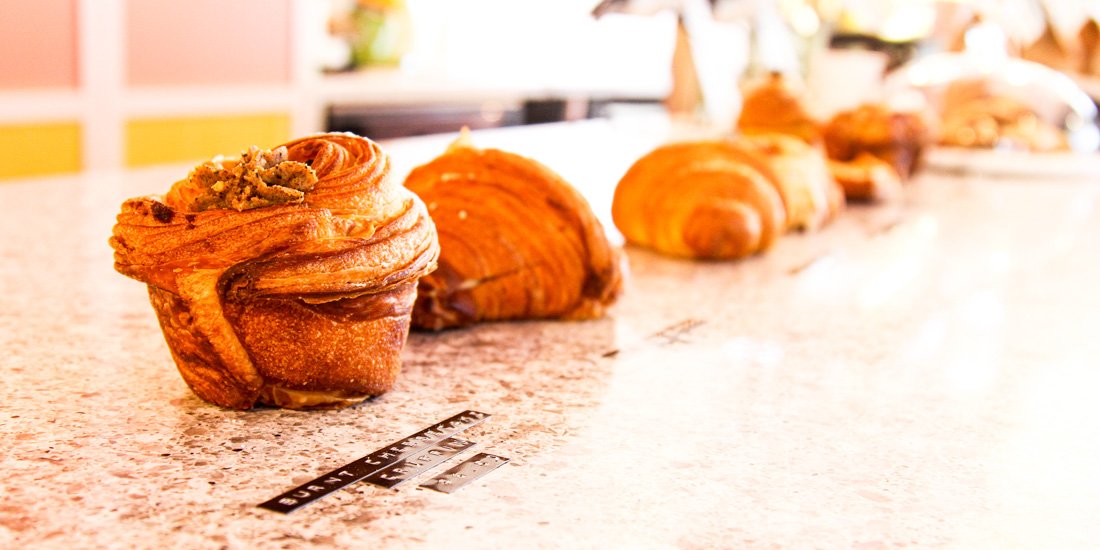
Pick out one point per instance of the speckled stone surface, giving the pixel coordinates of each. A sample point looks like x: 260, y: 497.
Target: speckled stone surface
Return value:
x: 922, y: 374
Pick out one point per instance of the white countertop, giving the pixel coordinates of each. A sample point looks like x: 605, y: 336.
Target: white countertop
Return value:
x: 921, y: 374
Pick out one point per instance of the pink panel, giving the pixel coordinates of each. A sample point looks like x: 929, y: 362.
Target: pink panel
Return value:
x: 207, y: 42
x: 37, y: 43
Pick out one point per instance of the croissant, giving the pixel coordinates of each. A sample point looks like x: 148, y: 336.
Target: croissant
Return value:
x: 800, y: 173
x: 701, y: 199
x: 517, y: 242
x: 285, y: 278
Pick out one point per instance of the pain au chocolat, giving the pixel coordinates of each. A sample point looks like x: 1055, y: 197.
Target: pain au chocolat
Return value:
x: 286, y: 277
x: 517, y: 242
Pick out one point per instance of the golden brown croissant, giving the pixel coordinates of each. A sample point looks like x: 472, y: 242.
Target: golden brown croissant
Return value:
x: 285, y: 278
x: 810, y: 195
x: 701, y: 199
x: 517, y: 242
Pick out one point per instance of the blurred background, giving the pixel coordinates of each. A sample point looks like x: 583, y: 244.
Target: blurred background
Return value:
x: 108, y: 84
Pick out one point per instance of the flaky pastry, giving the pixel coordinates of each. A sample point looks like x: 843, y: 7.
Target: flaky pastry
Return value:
x: 866, y: 178
x: 712, y: 199
x: 895, y: 137
x: 774, y: 106
x: 286, y: 277
x: 516, y: 240
x: 810, y: 195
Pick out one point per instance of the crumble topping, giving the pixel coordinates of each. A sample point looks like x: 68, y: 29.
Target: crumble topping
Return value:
x: 261, y: 178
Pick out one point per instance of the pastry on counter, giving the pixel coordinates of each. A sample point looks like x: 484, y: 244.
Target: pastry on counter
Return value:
x: 286, y: 277
x: 810, y: 195
x: 866, y: 178
x: 998, y: 122
x: 517, y: 242
x: 895, y: 137
x: 774, y: 106
x: 700, y: 199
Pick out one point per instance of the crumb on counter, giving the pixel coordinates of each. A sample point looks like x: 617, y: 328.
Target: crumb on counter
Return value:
x: 261, y: 178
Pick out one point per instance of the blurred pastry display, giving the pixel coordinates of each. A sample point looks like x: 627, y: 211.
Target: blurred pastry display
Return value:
x: 517, y: 242
x: 898, y: 138
x: 775, y: 106
x: 986, y: 99
x: 286, y: 277
x: 975, y: 116
x: 868, y: 148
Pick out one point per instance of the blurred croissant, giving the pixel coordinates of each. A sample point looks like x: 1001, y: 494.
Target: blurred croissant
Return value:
x: 724, y: 199
x: 286, y: 277
x: 516, y: 240
x: 801, y: 174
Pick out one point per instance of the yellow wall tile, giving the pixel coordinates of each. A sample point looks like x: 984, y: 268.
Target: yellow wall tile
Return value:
x: 170, y: 140
x: 39, y: 149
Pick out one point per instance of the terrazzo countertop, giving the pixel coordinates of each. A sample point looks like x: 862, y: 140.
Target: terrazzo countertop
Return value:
x: 919, y: 374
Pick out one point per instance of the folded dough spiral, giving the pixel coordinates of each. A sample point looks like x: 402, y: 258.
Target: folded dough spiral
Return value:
x: 517, y: 242
x: 726, y: 198
x: 299, y: 298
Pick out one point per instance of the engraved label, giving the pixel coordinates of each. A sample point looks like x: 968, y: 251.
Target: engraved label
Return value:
x: 465, y: 473
x: 374, y: 462
x: 674, y: 334
x: 392, y: 476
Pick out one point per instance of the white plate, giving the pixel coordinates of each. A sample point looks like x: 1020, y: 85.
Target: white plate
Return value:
x: 1014, y: 163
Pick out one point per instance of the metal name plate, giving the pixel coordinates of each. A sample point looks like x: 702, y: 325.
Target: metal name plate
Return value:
x: 355, y: 471
x: 403, y: 470
x: 465, y: 473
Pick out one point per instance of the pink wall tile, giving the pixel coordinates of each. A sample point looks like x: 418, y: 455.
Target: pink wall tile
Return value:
x: 207, y: 42
x: 38, y: 43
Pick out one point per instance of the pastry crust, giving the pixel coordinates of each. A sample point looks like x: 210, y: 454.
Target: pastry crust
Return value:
x: 517, y: 242
x: 774, y: 106
x: 990, y: 121
x: 866, y: 178
x: 810, y: 195
x: 701, y: 199
x: 300, y: 305
x: 897, y: 138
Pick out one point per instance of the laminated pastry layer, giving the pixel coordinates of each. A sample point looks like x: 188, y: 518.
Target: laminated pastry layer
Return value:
x: 517, y: 242
x: 701, y: 199
x: 242, y: 295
